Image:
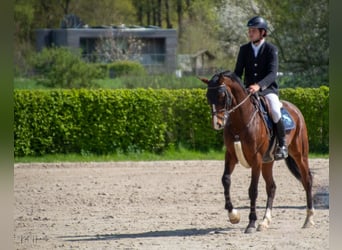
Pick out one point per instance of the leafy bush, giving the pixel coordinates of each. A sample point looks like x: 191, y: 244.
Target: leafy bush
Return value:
x: 314, y: 105
x: 312, y: 78
x: 121, y: 68
x: 63, y: 68
x: 124, y: 68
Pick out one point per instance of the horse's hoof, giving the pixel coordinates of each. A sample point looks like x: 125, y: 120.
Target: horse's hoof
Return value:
x: 234, y: 220
x: 262, y: 227
x: 308, y: 224
x: 250, y: 230
x: 234, y: 216
x: 265, y: 223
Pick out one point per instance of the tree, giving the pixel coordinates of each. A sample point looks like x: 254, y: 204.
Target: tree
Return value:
x: 233, y: 16
x: 167, y: 15
x: 301, y: 34
x: 48, y: 14
x: 199, y: 27
x: 23, y: 22
x: 153, y: 12
x: 23, y: 19
x: 107, y: 12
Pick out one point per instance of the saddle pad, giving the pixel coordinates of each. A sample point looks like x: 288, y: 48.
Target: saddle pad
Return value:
x: 287, y: 119
x: 285, y: 115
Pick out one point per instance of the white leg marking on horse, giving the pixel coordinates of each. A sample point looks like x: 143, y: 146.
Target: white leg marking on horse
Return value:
x: 266, y: 221
x: 234, y: 216
x: 309, y: 222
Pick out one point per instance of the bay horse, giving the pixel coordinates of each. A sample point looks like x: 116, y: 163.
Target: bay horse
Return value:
x: 246, y: 138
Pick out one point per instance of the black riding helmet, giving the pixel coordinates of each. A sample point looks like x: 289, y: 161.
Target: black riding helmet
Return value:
x: 258, y: 22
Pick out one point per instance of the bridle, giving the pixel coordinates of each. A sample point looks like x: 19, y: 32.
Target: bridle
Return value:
x: 228, y: 100
x: 227, y: 109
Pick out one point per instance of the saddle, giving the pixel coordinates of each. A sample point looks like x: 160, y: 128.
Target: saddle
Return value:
x: 263, y: 108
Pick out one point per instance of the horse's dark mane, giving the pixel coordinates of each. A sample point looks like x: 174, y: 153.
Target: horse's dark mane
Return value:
x: 232, y: 76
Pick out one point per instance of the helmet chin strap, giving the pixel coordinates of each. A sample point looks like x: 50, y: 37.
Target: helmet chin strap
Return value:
x: 256, y: 41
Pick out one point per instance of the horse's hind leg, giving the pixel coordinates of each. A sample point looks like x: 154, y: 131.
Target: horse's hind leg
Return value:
x: 301, y: 163
x: 267, y: 173
x: 307, y: 183
x: 298, y: 162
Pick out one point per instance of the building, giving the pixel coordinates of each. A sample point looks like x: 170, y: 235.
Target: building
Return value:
x: 158, y: 54
x: 198, y: 63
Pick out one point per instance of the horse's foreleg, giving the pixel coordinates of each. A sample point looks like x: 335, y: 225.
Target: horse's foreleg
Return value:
x: 270, y: 190
x: 253, y: 194
x: 233, y: 214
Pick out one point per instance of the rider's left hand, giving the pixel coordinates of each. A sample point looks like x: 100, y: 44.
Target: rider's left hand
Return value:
x: 254, y: 88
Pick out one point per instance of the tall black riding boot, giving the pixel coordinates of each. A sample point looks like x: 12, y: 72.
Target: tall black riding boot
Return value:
x: 281, y: 151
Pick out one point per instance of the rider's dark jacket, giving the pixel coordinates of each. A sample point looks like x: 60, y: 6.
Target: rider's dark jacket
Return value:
x: 261, y: 69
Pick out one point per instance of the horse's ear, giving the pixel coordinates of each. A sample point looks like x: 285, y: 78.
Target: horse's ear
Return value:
x: 203, y: 79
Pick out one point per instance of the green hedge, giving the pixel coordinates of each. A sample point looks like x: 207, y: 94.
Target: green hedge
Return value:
x: 131, y: 120
x: 314, y: 105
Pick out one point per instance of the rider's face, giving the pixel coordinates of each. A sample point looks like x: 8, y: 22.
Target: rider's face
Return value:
x: 254, y: 34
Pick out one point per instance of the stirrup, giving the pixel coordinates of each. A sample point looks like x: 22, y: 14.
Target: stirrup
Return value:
x: 281, y: 153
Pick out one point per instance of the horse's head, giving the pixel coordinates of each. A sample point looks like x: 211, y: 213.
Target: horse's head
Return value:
x: 219, y: 99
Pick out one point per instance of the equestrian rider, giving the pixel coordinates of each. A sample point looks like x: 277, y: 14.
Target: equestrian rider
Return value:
x: 258, y: 60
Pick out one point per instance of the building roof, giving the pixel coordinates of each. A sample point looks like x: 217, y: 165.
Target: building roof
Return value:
x: 203, y: 51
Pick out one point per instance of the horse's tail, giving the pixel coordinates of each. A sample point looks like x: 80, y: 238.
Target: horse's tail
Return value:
x: 292, y: 165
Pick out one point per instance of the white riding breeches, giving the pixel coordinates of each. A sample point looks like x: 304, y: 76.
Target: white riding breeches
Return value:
x: 275, y: 106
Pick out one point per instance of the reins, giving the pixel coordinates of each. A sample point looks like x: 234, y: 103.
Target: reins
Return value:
x: 238, y: 105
